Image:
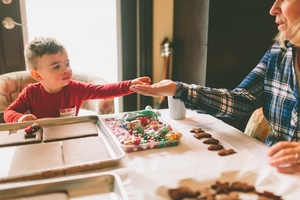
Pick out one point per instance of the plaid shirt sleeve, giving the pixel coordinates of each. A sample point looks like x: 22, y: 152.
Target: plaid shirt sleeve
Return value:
x: 220, y: 102
x: 271, y: 85
x: 233, y: 104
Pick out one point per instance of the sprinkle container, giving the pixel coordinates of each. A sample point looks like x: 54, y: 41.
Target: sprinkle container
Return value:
x: 141, y: 130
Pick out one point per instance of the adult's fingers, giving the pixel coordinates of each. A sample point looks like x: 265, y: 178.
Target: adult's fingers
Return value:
x: 280, y: 146
x: 284, y: 160
x: 289, y: 169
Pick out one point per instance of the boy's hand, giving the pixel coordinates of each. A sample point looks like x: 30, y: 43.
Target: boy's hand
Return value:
x: 163, y: 88
x: 141, y: 81
x: 28, y: 117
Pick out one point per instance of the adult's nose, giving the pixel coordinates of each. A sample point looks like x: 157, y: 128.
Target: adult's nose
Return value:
x: 275, y: 9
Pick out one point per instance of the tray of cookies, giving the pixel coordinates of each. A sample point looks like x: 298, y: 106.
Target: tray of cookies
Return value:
x: 54, y: 147
x: 103, y: 185
x: 141, y: 130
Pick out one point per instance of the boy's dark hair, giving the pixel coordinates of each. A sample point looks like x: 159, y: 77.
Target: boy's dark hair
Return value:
x: 39, y: 47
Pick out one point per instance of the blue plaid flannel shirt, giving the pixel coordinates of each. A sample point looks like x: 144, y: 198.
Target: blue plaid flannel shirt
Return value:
x: 271, y: 84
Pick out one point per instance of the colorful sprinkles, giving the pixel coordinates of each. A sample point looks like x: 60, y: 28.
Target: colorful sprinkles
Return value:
x: 141, y: 130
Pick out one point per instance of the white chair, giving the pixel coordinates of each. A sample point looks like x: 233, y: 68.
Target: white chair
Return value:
x: 257, y: 126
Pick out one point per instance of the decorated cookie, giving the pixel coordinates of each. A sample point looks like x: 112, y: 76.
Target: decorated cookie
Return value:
x: 202, y: 135
x: 215, y: 147
x: 225, y: 152
x: 211, y: 141
x: 31, y: 130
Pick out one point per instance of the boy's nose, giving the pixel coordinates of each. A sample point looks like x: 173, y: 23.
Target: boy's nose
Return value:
x: 65, y: 70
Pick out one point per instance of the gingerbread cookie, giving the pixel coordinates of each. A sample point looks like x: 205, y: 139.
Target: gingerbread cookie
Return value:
x: 197, y: 130
x: 221, y: 188
x: 230, y: 196
x: 225, y: 152
x: 211, y: 141
x: 182, y: 192
x: 202, y: 135
x: 205, y: 193
x: 215, y: 147
x: 268, y: 195
x: 242, y: 187
x: 68, y: 131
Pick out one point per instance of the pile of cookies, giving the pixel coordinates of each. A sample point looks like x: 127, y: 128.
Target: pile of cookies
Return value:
x: 221, y: 190
x: 214, y: 144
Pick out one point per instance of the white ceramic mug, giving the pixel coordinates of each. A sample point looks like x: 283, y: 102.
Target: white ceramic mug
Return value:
x: 176, y: 108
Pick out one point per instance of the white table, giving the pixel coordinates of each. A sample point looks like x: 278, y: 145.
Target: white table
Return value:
x: 148, y: 174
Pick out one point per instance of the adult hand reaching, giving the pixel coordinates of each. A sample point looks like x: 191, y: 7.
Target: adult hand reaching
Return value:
x: 163, y: 88
x: 285, y: 156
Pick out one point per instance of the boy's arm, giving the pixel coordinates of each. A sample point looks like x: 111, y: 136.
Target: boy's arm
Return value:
x: 105, y: 91
x: 11, y: 116
x: 17, y: 109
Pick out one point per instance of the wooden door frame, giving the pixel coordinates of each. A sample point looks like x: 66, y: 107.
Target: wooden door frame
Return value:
x: 136, y: 37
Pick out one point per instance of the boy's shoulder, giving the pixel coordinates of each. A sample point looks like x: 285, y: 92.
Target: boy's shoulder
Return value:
x: 31, y: 88
x: 36, y: 85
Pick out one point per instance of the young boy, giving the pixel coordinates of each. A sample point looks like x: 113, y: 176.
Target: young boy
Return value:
x: 56, y: 94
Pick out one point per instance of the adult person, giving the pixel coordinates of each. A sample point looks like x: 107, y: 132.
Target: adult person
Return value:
x: 273, y: 85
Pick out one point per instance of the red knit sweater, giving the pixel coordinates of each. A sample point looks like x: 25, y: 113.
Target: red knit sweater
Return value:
x: 35, y: 100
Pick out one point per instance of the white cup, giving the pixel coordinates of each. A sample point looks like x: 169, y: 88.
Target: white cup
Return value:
x: 176, y: 108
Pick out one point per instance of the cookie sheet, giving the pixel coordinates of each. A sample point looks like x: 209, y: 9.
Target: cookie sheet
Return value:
x: 21, y: 162
x: 102, y: 185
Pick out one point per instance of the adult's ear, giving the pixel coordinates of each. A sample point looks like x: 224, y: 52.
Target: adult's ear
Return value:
x: 35, y: 74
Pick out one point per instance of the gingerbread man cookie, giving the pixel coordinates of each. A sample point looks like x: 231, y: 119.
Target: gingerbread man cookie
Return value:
x: 202, y: 135
x: 215, y: 147
x: 226, y: 152
x: 211, y: 141
x: 197, y: 130
x: 183, y: 192
x: 221, y: 188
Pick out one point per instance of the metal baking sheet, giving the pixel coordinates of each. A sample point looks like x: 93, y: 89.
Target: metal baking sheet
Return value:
x: 104, y: 185
x: 36, y: 166
x: 145, y: 146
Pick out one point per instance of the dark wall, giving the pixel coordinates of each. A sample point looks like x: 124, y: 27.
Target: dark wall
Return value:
x: 136, y: 47
x: 189, y: 41
x: 239, y: 33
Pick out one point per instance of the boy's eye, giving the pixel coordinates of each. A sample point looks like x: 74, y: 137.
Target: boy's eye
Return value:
x: 56, y: 67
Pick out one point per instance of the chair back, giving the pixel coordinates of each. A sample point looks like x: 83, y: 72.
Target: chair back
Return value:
x: 257, y: 126
x: 11, y: 84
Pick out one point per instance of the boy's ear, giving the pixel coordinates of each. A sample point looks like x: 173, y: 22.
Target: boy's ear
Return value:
x: 34, y: 73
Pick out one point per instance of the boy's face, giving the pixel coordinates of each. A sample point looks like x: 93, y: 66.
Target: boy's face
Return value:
x: 54, y: 71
